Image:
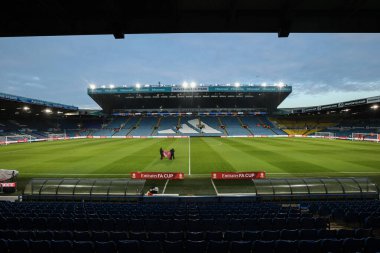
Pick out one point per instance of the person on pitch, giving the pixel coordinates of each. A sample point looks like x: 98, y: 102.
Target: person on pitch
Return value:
x: 172, y: 154
x: 161, y: 153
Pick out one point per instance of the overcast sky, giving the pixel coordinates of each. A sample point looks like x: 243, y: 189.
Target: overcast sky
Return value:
x: 322, y: 68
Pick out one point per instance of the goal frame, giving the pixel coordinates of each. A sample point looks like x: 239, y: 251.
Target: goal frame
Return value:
x: 363, y: 137
x: 54, y: 137
x: 24, y: 139
x: 329, y: 135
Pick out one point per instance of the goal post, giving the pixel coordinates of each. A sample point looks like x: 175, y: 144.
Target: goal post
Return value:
x: 329, y: 135
x: 365, y: 137
x: 10, y: 139
x: 54, y: 137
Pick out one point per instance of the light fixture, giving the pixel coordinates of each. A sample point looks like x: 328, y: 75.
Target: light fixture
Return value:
x: 112, y: 86
x: 193, y: 84
x: 237, y: 84
x: 92, y: 86
x: 374, y: 107
x: 138, y: 85
x: 185, y: 84
x: 25, y: 108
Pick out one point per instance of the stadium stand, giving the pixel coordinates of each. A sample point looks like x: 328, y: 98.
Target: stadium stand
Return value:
x: 183, y: 227
x: 167, y: 126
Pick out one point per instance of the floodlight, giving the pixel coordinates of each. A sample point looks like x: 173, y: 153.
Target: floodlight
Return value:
x: 237, y: 84
x: 185, y: 84
x: 138, y: 85
x: 193, y: 84
x: 264, y: 84
x: 374, y: 107
x: 25, y: 108
x: 103, y: 86
x: 112, y: 86
x: 47, y: 110
x: 92, y: 86
x: 280, y: 84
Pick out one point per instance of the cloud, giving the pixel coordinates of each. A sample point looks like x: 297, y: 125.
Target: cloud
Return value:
x: 35, y: 85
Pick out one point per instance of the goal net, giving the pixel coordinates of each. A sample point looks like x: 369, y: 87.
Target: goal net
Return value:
x: 9, y: 139
x: 54, y: 137
x: 325, y: 134
x: 365, y: 137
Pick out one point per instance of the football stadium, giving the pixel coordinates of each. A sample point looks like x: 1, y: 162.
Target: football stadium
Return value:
x: 190, y: 167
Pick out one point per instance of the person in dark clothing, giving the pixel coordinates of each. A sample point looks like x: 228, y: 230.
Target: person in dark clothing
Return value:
x: 161, y: 153
x: 172, y: 154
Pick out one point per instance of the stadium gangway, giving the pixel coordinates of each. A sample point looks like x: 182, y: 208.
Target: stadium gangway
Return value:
x: 92, y: 189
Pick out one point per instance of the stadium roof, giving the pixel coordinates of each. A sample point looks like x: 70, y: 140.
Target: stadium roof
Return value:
x: 11, y: 104
x: 371, y: 102
x: 117, y: 17
x: 197, y: 98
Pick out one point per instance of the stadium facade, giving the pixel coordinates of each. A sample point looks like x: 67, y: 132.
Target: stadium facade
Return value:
x: 190, y: 99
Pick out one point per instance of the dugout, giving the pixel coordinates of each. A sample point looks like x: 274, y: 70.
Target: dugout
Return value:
x: 93, y: 189
x: 316, y: 188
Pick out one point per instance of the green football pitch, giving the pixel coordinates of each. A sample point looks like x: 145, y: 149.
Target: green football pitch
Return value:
x: 116, y: 158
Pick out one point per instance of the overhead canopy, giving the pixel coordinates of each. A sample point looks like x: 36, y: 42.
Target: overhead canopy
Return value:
x: 119, y: 17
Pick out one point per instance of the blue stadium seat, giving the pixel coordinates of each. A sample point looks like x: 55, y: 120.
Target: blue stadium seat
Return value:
x: 83, y: 247
x: 309, y: 246
x: 363, y: 233
x: 240, y: 247
x: 25, y: 235
x: 351, y: 245
x: 173, y: 246
x: 326, y: 234
x: 372, y: 245
x: 269, y: 235
x: 214, y: 235
x: 100, y: 236
x: 150, y: 247
x: 137, y: 236
x: 263, y: 246
x: 195, y: 236
x: 195, y: 246
x: 18, y: 246
x: 308, y: 234
x: 331, y: 245
x: 251, y: 235
x: 39, y: 246
x: 160, y: 236
x: 174, y: 236
x: 250, y: 224
x: 61, y: 246
x: 105, y: 247
x: 285, y: 246
x: 128, y: 246
x: 82, y: 236
x: 39, y: 223
x: 345, y: 233
x: 63, y: 235
x: 279, y: 223
x: 217, y: 247
x: 287, y: 234
x: 233, y: 236
x: 3, y: 246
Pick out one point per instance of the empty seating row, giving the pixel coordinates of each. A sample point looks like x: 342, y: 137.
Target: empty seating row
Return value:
x: 157, y: 216
x: 162, y: 225
x: 303, y: 234
x: 349, y: 245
